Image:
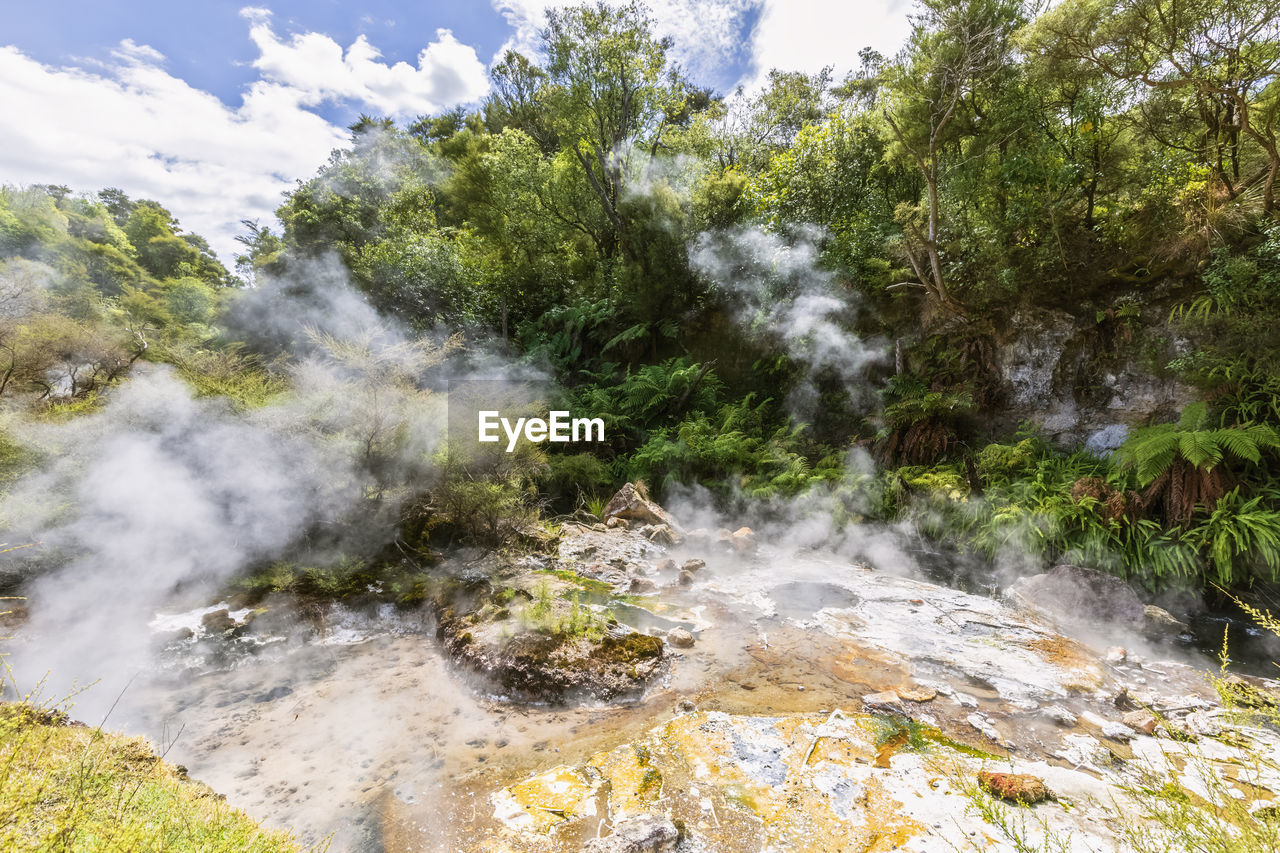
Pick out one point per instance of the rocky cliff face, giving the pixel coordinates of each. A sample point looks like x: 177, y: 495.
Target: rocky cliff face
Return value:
x: 1084, y: 381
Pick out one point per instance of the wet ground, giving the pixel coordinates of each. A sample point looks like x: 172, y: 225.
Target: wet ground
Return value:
x: 352, y: 726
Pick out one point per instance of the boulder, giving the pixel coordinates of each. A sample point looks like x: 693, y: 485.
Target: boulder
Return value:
x: 667, y: 565
x: 660, y: 534
x: 743, y: 540
x: 1157, y: 622
x: 640, y: 586
x: 694, y: 565
x: 680, y: 638
x: 638, y: 834
x: 1021, y: 788
x: 616, y: 524
x: 217, y: 621
x: 632, y: 503
x: 1074, y: 594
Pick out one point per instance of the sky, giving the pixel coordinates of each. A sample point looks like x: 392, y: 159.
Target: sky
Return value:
x: 215, y: 109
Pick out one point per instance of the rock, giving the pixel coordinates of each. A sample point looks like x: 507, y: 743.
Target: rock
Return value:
x: 1021, y: 788
x: 1200, y: 723
x: 1117, y: 654
x: 724, y: 537
x: 1079, y: 595
x: 171, y: 638
x: 1117, y: 731
x: 885, y: 702
x: 680, y: 638
x: 693, y: 565
x: 641, y: 586
x: 639, y: 834
x: 743, y: 540
x: 983, y: 724
x: 1268, y: 811
x: 1141, y: 720
x: 616, y: 524
x: 1158, y: 622
x: 659, y: 534
x: 632, y: 503
x: 686, y: 577
x: 667, y: 565
x: 1084, y: 750
x: 217, y: 621
x: 1060, y: 715
x: 918, y: 694
x: 685, y: 706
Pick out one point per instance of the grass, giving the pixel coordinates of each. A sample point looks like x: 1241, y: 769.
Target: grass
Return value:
x: 67, y: 787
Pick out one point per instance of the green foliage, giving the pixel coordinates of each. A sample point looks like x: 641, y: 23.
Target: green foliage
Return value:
x: 1152, y: 450
x: 68, y: 787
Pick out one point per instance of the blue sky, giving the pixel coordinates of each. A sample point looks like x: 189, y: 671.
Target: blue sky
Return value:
x: 215, y: 108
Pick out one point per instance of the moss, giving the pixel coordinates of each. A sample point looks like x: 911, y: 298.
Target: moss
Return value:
x: 628, y: 648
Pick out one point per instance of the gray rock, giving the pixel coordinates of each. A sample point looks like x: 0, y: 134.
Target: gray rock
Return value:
x: 680, y: 638
x: 1105, y: 441
x: 1077, y: 595
x: 639, y: 834
x: 1158, y: 621
x: 1060, y: 715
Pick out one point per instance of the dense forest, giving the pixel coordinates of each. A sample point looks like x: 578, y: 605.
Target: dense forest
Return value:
x: 798, y: 299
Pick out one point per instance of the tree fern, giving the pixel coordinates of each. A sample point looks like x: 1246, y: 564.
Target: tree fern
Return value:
x: 1180, y: 465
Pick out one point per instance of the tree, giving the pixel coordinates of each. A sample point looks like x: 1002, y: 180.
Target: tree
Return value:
x: 956, y: 48
x: 1225, y: 52
x: 611, y: 94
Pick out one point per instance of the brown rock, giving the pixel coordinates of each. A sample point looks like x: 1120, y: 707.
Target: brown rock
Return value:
x: 693, y: 565
x: 919, y: 694
x: 1021, y: 788
x: 667, y: 565
x: 743, y: 540
x: 686, y: 578
x: 617, y: 524
x: 217, y: 621
x: 641, y: 586
x: 885, y: 701
x: 1141, y: 720
x: 632, y: 504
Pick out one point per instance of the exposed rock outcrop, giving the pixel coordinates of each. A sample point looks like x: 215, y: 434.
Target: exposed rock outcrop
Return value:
x: 1079, y: 596
x: 631, y: 503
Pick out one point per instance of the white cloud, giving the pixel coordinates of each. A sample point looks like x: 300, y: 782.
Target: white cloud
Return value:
x: 131, y: 124
x: 319, y: 70
x: 807, y: 35
x: 793, y: 35
x: 707, y: 33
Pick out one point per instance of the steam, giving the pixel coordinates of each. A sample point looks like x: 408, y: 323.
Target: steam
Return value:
x: 161, y: 498
x: 778, y: 288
